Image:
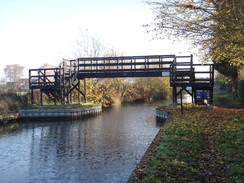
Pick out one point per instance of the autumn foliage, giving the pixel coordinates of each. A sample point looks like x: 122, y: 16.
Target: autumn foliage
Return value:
x: 118, y: 90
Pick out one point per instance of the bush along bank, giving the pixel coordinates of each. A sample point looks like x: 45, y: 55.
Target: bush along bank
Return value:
x: 198, y: 146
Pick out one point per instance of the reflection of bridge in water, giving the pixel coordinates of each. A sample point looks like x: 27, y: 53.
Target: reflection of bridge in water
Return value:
x: 59, y: 83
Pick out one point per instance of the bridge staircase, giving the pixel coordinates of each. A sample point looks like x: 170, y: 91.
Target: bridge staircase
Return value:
x: 197, y: 80
x: 56, y: 83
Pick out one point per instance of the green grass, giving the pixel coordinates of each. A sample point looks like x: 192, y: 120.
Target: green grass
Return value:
x: 178, y: 154
x: 232, y: 147
x: 181, y: 152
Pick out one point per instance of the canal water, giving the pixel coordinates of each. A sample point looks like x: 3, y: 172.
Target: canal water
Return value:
x: 104, y: 148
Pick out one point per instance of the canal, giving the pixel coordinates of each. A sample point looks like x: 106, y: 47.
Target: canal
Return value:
x: 104, y: 148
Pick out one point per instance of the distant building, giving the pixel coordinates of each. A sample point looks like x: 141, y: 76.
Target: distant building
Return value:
x: 48, y: 72
x: 21, y: 85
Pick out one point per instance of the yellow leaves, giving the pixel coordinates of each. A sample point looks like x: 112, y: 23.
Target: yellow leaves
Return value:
x: 228, y: 12
x: 177, y: 162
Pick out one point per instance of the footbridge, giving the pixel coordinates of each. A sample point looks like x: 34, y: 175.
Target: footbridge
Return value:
x: 60, y: 82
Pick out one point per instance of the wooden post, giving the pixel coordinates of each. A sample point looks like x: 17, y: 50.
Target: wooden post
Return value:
x: 78, y: 91
x: 181, y: 102
x: 41, y: 97
x: 55, y: 97
x: 32, y: 96
x: 85, y: 98
x: 211, y: 96
x: 193, y: 95
x: 71, y: 97
x: 175, y: 95
x: 63, y: 84
x: 69, y: 94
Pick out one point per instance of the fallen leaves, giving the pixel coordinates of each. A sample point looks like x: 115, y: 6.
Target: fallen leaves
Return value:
x: 199, y: 146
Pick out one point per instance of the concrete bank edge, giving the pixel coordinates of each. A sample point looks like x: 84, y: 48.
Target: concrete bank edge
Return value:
x: 50, y: 114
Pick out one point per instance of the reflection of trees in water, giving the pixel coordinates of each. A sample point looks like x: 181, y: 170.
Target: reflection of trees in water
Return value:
x: 53, y: 145
x: 105, y: 148
x: 77, y: 148
x: 8, y: 128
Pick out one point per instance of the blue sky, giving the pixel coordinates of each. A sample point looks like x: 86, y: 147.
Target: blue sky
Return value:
x: 34, y: 32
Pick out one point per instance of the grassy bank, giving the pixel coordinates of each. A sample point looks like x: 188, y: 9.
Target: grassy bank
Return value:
x: 199, y: 146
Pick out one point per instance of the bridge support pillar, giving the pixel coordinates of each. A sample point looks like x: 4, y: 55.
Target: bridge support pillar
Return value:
x: 174, y: 96
x: 41, y: 102
x: 32, y: 96
x: 85, y: 98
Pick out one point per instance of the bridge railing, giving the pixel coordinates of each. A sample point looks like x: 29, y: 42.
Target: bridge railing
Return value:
x: 124, y: 66
x: 183, y: 72
x: 44, y: 78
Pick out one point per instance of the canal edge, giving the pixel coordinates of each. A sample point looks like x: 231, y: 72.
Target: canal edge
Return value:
x: 142, y: 166
x: 50, y: 114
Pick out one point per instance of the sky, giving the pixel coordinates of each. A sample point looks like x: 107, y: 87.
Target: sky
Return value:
x: 35, y: 32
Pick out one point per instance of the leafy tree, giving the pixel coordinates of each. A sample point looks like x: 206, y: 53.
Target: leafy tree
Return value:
x: 107, y: 91
x: 216, y: 26
x: 228, y: 43
x: 231, y: 72
x: 148, y: 89
x: 13, y: 72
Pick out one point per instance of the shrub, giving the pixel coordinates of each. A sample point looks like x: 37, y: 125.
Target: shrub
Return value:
x: 10, y: 101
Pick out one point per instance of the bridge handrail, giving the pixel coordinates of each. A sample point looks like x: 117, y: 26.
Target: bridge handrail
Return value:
x: 149, y: 63
x: 124, y: 57
x: 41, y: 77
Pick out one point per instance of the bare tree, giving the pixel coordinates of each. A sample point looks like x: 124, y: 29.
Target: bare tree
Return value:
x: 87, y: 45
x: 13, y: 72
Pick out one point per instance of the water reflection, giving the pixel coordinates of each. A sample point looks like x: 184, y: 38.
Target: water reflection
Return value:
x: 105, y: 148
x: 8, y: 128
